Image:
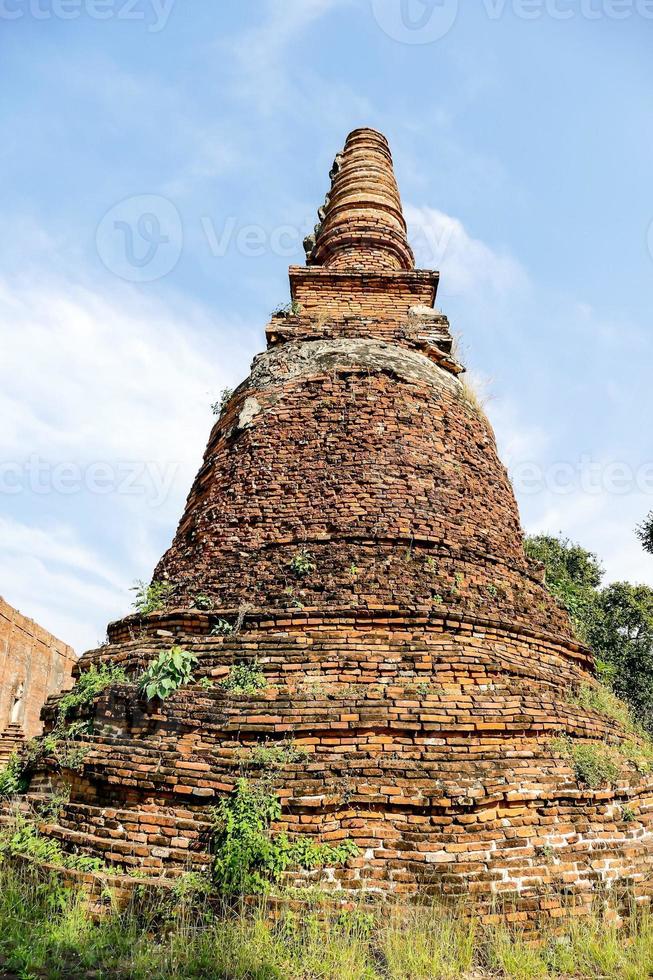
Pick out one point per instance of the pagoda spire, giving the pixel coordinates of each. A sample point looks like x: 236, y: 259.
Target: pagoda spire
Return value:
x: 362, y: 227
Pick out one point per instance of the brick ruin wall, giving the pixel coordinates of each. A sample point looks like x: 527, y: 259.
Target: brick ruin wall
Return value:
x: 33, y: 665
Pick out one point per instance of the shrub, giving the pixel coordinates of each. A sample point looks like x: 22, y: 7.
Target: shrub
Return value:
x: 62, y: 742
x: 171, y: 670
x: 245, y: 679
x: 599, y: 698
x: 302, y: 564
x: 90, y: 684
x: 151, y: 598
x: 248, y: 856
x: 12, y: 778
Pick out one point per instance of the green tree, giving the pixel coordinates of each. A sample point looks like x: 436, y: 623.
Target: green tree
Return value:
x: 573, y: 576
x: 645, y: 533
x: 615, y: 621
x: 622, y: 638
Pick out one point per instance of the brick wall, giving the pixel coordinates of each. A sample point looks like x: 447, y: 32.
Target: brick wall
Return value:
x: 32, y: 661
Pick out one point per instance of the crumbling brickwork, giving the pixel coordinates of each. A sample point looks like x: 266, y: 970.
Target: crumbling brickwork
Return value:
x: 416, y: 656
x: 33, y: 665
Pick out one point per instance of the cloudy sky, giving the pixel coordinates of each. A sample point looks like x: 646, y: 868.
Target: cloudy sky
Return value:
x: 161, y: 163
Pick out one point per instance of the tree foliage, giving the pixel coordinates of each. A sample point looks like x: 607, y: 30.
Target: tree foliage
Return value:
x: 616, y: 621
x: 573, y: 576
x: 645, y: 533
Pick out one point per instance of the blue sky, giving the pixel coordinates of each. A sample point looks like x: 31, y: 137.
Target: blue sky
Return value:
x: 523, y: 143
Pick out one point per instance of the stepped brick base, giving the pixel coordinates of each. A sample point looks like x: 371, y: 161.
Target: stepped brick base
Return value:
x: 427, y: 742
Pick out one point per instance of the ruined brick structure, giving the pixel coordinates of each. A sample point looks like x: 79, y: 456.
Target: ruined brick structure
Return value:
x: 33, y: 665
x: 414, y: 651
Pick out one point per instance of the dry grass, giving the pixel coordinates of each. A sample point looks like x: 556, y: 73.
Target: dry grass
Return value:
x: 46, y: 933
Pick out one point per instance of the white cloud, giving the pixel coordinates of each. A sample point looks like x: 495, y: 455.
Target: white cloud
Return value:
x: 468, y: 266
x: 262, y: 53
x: 105, y: 399
x: 55, y: 579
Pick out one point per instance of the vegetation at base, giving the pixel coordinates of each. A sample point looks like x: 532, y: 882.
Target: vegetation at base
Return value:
x: 171, y: 670
x: 245, y: 678
x: 12, y: 778
x: 26, y: 840
x: 46, y: 932
x: 616, y: 620
x: 151, y: 598
x: 250, y: 856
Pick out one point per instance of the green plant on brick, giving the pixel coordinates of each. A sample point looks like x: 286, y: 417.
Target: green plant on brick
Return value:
x: 151, y: 598
x: 203, y: 602
x: 90, y: 684
x: 294, y: 601
x: 594, y: 763
x: 12, y: 778
x: 274, y: 755
x: 597, y: 697
x: 302, y: 564
x: 22, y: 838
x: 171, y: 670
x: 245, y: 678
x: 248, y: 856
x: 225, y: 396
x: 287, y: 309
x: 222, y: 628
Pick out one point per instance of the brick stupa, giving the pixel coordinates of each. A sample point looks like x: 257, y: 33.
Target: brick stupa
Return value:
x: 353, y: 523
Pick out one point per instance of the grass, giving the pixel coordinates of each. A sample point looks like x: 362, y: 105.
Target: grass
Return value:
x: 46, y: 932
x: 597, y: 697
x: 600, y: 763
